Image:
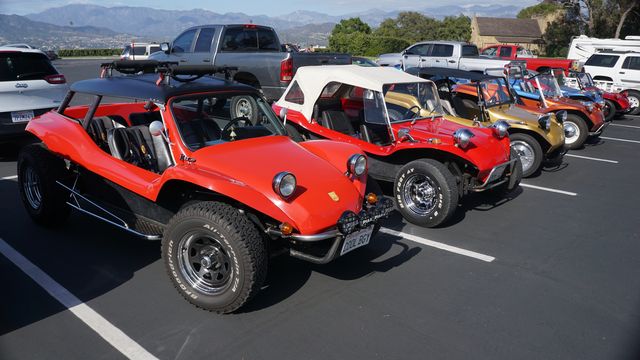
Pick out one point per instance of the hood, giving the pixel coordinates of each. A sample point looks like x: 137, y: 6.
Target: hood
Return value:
x: 253, y: 163
x: 515, y: 113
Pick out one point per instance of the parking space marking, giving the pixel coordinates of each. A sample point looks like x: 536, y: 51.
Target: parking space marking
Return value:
x: 591, y: 158
x: 9, y: 177
x: 114, y: 336
x: 616, y: 139
x: 549, y: 189
x: 627, y: 126
x: 438, y: 245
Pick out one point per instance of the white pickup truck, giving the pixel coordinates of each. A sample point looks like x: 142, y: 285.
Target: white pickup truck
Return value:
x: 449, y: 54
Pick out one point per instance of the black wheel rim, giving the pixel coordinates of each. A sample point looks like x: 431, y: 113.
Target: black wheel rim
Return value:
x: 205, y: 262
x: 32, y: 188
x: 420, y: 194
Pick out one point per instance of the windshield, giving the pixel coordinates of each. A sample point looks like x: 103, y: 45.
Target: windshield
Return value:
x: 548, y: 85
x: 560, y: 78
x: 410, y: 101
x: 585, y: 79
x: 212, y: 119
x: 495, y: 92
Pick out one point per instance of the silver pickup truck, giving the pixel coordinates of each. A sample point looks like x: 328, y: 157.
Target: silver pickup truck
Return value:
x: 449, y: 54
x: 255, y: 50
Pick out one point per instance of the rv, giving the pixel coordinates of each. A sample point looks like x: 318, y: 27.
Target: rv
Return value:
x: 582, y: 47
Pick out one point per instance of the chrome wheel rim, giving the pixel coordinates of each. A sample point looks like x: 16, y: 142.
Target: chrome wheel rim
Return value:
x: 31, y: 186
x: 205, y: 263
x: 571, y: 132
x: 420, y: 194
x: 525, y: 153
x: 633, y: 102
x: 244, y: 109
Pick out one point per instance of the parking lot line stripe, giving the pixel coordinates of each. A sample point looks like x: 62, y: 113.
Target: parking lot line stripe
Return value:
x: 114, y: 336
x: 9, y: 177
x: 591, y: 158
x: 616, y: 139
x: 627, y: 126
x: 439, y: 245
x: 549, y: 189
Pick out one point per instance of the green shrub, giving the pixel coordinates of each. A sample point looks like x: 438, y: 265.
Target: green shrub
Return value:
x: 88, y: 52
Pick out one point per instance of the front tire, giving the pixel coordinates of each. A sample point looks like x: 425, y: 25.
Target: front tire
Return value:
x: 215, y: 256
x: 44, y: 200
x: 609, y: 110
x: 425, y: 192
x: 634, y: 102
x: 529, y: 152
x: 575, y: 131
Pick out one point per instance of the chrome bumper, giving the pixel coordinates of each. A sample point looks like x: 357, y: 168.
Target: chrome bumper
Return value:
x: 494, y: 180
x: 600, y: 129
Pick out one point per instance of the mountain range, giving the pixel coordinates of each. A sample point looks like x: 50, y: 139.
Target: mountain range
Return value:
x: 306, y: 27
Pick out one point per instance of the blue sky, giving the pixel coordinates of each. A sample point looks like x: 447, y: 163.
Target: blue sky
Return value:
x: 252, y: 7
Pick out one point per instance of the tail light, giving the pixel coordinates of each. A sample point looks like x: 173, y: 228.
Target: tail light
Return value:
x: 286, y: 69
x: 250, y: 26
x: 55, y: 79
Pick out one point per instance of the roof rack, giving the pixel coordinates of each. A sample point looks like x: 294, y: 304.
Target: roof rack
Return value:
x: 166, y: 70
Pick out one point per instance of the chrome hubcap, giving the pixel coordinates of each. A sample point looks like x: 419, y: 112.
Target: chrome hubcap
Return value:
x: 420, y: 194
x: 243, y: 109
x: 205, y: 263
x: 633, y: 101
x: 31, y: 186
x: 571, y: 132
x: 525, y: 153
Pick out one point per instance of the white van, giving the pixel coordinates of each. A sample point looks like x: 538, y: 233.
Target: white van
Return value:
x: 139, y: 51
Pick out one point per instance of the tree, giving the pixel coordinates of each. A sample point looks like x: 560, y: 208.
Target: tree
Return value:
x: 352, y: 25
x: 627, y: 7
x: 456, y: 28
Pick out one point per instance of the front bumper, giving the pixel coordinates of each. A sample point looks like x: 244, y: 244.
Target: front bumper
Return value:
x: 313, y: 248
x: 499, y: 175
x: 555, y: 156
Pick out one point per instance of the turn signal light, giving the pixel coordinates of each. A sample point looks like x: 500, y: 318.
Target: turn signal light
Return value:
x: 286, y: 228
x: 372, y: 198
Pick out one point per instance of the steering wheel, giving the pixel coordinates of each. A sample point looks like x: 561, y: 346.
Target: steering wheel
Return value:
x: 410, y: 114
x: 230, y: 126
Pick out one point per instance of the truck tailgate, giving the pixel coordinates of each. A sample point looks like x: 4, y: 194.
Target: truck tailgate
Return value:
x: 309, y: 59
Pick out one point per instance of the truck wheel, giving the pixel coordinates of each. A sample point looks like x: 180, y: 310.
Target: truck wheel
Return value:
x: 214, y: 256
x: 243, y: 106
x: 575, y: 131
x: 44, y: 200
x: 426, y: 193
x: 609, y: 110
x: 529, y: 151
x: 514, y: 180
x: 634, y: 101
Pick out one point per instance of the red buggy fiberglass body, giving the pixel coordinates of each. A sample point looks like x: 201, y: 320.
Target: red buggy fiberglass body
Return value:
x: 219, y: 189
x: 396, y: 119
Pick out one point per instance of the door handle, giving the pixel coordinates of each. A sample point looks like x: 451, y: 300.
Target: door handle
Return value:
x: 183, y: 60
x: 621, y: 72
x: 206, y: 60
x: 437, y: 60
x: 452, y: 61
x: 423, y: 59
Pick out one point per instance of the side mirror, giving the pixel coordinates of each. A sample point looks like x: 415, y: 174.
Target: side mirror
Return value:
x: 165, y: 47
x: 156, y: 128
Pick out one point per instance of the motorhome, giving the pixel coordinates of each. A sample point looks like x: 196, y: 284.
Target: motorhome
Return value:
x: 582, y: 47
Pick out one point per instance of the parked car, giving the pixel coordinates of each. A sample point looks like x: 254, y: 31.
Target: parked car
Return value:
x: 541, y: 92
x: 616, y: 104
x: 362, y: 61
x: 20, y: 46
x: 255, y: 50
x: 396, y: 119
x: 29, y: 86
x: 139, y: 51
x: 449, y: 54
x: 485, y: 100
x: 617, y: 72
x: 173, y: 162
x: 539, y: 64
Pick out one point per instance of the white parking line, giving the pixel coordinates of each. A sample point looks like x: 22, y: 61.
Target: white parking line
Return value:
x: 549, y: 189
x: 627, y: 126
x: 591, y: 158
x: 438, y: 245
x: 114, y: 336
x: 9, y: 177
x: 616, y: 139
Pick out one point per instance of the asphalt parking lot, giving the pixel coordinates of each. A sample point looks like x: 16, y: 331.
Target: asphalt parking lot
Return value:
x: 552, y: 273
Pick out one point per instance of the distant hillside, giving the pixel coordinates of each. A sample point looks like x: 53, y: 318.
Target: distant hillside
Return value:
x: 18, y: 29
x: 312, y: 34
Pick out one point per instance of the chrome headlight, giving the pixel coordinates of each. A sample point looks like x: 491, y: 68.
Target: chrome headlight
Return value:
x: 544, y: 121
x: 589, y: 105
x: 357, y: 164
x: 284, y: 184
x: 561, y: 116
x: 462, y: 137
x: 500, y: 128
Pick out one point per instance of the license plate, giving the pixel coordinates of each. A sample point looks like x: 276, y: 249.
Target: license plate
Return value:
x: 21, y: 116
x: 497, y: 173
x: 356, y: 240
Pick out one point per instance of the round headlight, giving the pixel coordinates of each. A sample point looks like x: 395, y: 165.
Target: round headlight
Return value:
x: 284, y: 184
x: 357, y: 164
x: 500, y: 128
x: 545, y: 122
x: 462, y: 137
x: 561, y: 116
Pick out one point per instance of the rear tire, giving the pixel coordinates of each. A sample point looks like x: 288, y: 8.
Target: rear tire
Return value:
x: 575, y: 131
x: 426, y: 193
x: 215, y: 256
x: 609, y: 110
x: 634, y: 100
x: 44, y: 200
x: 529, y: 152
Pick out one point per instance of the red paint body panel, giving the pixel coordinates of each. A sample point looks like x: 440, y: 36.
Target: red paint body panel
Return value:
x: 533, y: 63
